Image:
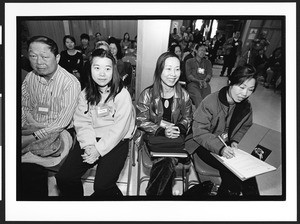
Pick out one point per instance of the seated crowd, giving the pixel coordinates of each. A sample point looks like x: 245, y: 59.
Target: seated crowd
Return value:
x: 79, y: 99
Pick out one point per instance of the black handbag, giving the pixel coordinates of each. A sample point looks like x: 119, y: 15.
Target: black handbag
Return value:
x: 164, y: 144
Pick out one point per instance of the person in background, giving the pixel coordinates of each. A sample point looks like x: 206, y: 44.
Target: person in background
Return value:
x: 227, y: 114
x: 174, y: 37
x: 71, y: 59
x: 176, y: 49
x: 49, y: 98
x: 259, y: 62
x: 232, y: 50
x: 134, y: 43
x: 125, y: 43
x: 123, y: 67
x: 182, y: 30
x: 190, y: 34
x: 274, y: 68
x: 84, y: 47
x: 164, y: 100
x: 184, y: 43
x: 104, y: 121
x: 197, y: 36
x: 198, y: 72
x: 216, y: 44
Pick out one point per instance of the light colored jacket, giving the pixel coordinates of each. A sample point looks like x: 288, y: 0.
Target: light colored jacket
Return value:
x: 119, y: 124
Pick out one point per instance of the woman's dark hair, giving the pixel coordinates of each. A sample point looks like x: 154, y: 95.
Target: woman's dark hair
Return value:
x: 125, y: 35
x: 114, y: 41
x: 85, y: 36
x: 46, y: 40
x: 69, y: 37
x: 173, y: 47
x: 93, y: 94
x: 200, y: 45
x: 241, y: 74
x: 160, y: 64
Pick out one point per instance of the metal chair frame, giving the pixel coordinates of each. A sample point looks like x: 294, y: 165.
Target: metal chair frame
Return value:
x: 142, y: 155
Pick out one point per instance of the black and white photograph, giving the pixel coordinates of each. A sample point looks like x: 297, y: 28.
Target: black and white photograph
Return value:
x: 126, y: 108
x: 261, y: 152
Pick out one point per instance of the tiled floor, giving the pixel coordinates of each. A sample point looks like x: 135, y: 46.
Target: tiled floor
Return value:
x: 266, y: 109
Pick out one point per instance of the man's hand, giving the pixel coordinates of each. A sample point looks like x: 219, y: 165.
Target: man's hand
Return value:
x: 202, y: 84
x: 26, y: 140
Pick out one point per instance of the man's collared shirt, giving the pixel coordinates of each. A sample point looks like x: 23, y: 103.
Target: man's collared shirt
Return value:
x: 51, y: 103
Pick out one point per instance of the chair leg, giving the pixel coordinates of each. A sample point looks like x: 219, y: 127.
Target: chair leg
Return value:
x: 129, y: 167
x: 139, y: 172
x: 194, y: 169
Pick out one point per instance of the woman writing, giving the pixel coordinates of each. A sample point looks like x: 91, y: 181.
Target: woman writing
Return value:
x: 164, y: 102
x: 225, y: 114
x: 104, y: 121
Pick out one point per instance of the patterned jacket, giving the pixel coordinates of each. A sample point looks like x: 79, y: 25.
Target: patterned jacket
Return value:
x: 150, y: 110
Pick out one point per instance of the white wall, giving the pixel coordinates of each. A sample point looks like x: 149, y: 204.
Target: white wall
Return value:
x: 153, y: 38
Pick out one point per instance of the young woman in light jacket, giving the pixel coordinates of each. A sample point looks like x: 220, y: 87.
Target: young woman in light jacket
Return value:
x: 104, y: 121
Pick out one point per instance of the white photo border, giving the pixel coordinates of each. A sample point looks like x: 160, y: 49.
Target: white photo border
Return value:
x: 146, y: 210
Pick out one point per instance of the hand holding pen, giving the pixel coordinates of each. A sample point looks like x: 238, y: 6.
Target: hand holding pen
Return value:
x: 227, y: 152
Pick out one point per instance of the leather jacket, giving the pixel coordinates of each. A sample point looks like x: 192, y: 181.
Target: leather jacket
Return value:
x: 150, y: 110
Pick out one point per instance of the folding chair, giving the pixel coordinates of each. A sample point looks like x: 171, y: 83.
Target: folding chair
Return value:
x: 205, y: 172
x: 90, y: 174
x: 145, y: 163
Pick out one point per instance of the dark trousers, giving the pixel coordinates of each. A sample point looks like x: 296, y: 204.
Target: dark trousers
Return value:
x: 34, y: 180
x: 197, y: 94
x: 229, y: 61
x: 231, y: 185
x: 108, y: 170
x: 162, y: 176
x: 33, y: 183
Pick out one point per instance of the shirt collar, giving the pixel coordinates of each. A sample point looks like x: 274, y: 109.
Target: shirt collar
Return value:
x: 42, y: 80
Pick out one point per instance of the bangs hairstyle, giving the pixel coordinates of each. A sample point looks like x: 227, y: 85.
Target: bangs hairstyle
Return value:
x: 241, y: 74
x: 45, y: 40
x: 69, y: 37
x: 173, y: 47
x: 93, y: 93
x: 160, y: 64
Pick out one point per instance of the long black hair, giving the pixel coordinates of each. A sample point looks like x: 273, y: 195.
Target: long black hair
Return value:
x: 160, y: 64
x: 93, y: 94
x: 243, y: 73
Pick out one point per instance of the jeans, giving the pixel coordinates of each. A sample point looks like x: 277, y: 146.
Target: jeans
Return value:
x: 162, y: 176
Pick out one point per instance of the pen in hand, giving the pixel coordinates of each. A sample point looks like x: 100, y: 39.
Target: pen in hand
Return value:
x: 226, y: 146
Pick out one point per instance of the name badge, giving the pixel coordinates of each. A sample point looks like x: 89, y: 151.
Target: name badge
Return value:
x: 224, y: 136
x: 201, y: 70
x: 164, y: 124
x: 102, y: 111
x: 43, y: 109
